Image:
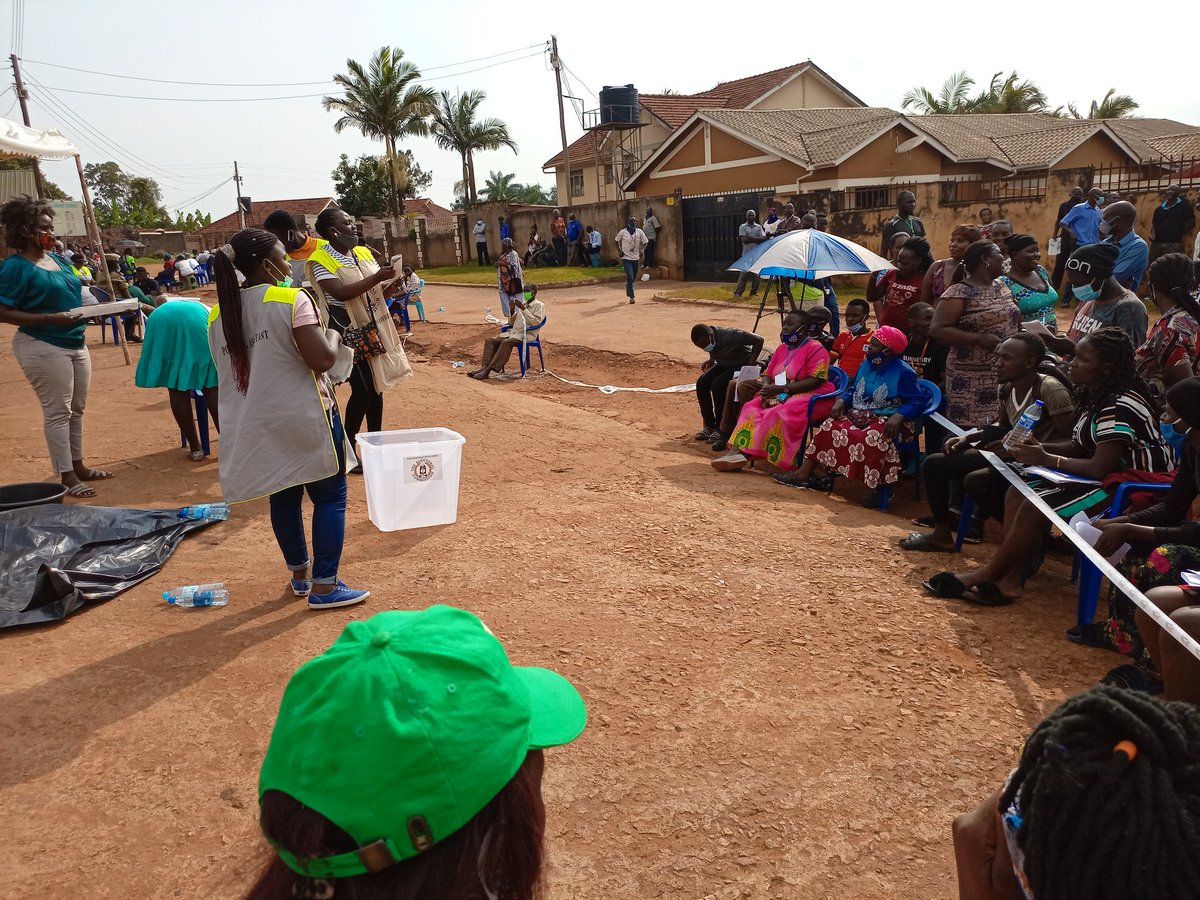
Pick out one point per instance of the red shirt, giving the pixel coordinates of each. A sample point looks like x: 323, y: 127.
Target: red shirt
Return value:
x: 899, y: 295
x: 558, y: 227
x: 850, y: 350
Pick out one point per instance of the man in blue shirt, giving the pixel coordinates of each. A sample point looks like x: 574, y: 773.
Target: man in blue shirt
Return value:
x: 1116, y: 227
x: 1084, y: 219
x: 574, y: 233
x: 505, y: 229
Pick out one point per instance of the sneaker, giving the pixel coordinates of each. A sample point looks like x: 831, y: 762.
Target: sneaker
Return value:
x: 341, y: 595
x: 301, y: 588
x: 706, y: 434
x: 733, y: 461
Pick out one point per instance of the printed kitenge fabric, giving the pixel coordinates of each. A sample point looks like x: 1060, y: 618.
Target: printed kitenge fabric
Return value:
x: 1171, y: 340
x: 856, y: 446
x: 970, y: 385
x: 776, y: 432
x: 1035, y: 305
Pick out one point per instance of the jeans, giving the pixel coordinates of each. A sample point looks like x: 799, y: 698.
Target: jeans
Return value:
x: 482, y: 252
x: 328, y: 498
x: 631, y: 267
x: 60, y: 378
x: 710, y: 392
x: 741, y: 284
x: 650, y: 245
x: 982, y: 483
x: 831, y: 304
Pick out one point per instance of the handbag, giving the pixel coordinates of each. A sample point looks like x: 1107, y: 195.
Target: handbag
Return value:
x: 365, y: 340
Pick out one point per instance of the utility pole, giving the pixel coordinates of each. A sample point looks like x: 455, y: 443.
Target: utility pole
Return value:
x: 237, y: 180
x: 562, y: 121
x: 21, y: 97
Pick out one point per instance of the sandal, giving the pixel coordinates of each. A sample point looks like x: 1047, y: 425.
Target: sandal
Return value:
x: 925, y: 522
x: 196, y: 455
x: 987, y: 594
x: 1092, y: 634
x: 922, y: 542
x: 1133, y: 678
x: 821, y: 483
x: 946, y: 585
x: 790, y: 479
x: 81, y: 490
x: 95, y: 475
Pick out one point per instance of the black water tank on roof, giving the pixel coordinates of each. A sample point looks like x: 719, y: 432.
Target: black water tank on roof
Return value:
x: 619, y: 105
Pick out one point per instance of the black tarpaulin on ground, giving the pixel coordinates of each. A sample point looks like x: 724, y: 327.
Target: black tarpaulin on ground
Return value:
x: 55, y: 558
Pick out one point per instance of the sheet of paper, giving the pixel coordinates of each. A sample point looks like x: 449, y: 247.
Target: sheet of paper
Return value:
x: 1058, y: 477
x: 1090, y: 533
x: 1191, y: 577
x: 749, y: 373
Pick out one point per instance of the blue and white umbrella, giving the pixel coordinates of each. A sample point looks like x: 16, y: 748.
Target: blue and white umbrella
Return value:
x: 809, y: 254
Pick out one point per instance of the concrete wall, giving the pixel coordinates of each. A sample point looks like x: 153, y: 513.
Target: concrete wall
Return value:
x: 608, y: 217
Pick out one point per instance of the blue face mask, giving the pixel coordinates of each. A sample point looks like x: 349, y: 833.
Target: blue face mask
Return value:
x: 791, y: 338
x: 1085, y: 292
x: 710, y: 348
x: 1172, y: 434
x: 877, y: 356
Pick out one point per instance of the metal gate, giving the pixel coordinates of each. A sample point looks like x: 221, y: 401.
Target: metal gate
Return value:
x: 710, y: 233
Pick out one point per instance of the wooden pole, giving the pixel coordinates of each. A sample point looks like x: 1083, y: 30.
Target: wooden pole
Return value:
x: 562, y: 121
x: 237, y: 180
x: 21, y: 97
x: 94, y: 231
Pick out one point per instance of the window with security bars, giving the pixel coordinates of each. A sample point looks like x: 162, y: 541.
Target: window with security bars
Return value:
x: 876, y: 197
x: 577, y: 182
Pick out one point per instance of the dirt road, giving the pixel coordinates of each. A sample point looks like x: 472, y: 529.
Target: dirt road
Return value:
x: 777, y: 709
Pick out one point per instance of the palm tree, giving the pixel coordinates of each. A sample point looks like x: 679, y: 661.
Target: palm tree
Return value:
x: 1010, y: 96
x: 954, y: 96
x: 501, y: 186
x: 383, y: 102
x: 456, y: 128
x: 1113, y: 106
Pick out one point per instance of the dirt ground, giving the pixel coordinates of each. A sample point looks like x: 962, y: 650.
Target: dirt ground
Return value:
x: 777, y: 710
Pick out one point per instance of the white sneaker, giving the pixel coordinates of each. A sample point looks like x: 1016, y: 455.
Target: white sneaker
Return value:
x: 733, y: 461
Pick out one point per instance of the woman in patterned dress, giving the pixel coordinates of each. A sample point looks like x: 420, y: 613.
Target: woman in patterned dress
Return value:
x: 1030, y: 285
x: 973, y: 317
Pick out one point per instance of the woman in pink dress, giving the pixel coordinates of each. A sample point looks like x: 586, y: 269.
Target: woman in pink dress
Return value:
x: 773, y: 424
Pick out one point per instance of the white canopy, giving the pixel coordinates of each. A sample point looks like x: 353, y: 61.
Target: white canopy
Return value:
x: 18, y: 140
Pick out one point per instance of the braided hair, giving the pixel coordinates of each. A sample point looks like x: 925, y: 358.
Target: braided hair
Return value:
x: 19, y: 216
x: 1120, y: 376
x: 920, y: 248
x: 1175, y: 275
x: 972, y: 257
x: 1107, y: 823
x: 248, y: 248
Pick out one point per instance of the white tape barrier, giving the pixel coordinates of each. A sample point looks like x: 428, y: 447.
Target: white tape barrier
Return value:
x: 1106, y: 568
x: 612, y: 389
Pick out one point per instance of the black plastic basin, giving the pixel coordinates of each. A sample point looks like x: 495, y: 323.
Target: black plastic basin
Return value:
x: 30, y: 493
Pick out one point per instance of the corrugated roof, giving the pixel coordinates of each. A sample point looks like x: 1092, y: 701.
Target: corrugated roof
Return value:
x: 260, y: 209
x: 819, y: 137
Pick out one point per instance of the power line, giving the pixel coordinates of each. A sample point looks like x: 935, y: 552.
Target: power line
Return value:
x: 466, y: 62
x: 197, y: 199
x: 482, y: 68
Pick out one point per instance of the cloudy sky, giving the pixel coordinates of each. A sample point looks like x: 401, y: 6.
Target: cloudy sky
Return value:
x: 287, y: 147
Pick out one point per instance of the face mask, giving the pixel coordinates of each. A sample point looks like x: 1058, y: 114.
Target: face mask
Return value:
x: 1100, y: 200
x: 344, y: 241
x: 858, y: 329
x: 791, y: 338
x: 1085, y: 292
x: 877, y: 356
x: 46, y: 241
x: 1171, y: 432
x: 279, y: 281
x: 1105, y: 228
x: 631, y: 228
x: 710, y: 348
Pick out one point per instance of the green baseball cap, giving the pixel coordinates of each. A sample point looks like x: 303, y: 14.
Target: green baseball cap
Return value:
x: 404, y: 729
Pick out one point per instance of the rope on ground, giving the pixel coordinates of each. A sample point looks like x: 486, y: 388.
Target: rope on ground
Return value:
x: 612, y: 389
x: 1119, y: 581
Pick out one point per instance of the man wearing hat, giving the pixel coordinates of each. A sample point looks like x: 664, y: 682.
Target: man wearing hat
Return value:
x: 1102, y: 300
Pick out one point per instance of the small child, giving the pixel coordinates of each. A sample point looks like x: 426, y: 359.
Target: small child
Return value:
x: 925, y: 354
x: 851, y: 345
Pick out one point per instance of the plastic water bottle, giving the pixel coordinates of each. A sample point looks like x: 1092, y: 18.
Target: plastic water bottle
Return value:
x: 200, y: 598
x: 487, y: 313
x: 458, y: 364
x: 189, y: 590
x: 441, y: 309
x: 1022, y: 431
x: 205, y: 511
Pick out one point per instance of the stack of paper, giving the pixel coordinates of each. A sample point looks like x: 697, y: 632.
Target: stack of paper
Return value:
x: 1090, y: 533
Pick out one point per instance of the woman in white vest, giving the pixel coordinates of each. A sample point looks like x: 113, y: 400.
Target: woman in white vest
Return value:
x: 349, y: 281
x: 281, y: 433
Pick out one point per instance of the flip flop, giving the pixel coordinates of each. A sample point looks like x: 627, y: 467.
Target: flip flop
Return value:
x: 1133, y: 678
x: 95, y: 475
x: 924, y: 522
x: 918, y: 541
x: 81, y: 490
x: 986, y: 594
x: 1090, y: 635
x: 945, y: 585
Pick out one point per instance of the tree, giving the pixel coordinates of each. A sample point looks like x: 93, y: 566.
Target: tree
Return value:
x: 123, y: 199
x: 1113, y: 106
x: 456, y: 128
x: 1010, y: 96
x: 418, y: 179
x: 501, y: 186
x: 954, y: 97
x: 536, y: 195
x: 51, y: 190
x: 361, y: 187
x: 109, y: 185
x: 384, y: 103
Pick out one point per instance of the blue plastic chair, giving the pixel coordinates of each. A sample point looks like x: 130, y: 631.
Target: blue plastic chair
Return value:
x: 840, y: 382
x: 934, y: 393
x: 201, y: 406
x: 523, y: 353
x: 101, y: 296
x: 203, y: 275
x: 415, y: 298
